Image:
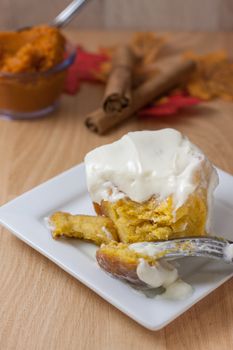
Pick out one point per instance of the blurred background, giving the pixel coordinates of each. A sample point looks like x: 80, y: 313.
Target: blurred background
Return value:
x: 197, y: 15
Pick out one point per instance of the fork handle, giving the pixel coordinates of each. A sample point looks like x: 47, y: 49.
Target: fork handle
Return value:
x: 203, y: 254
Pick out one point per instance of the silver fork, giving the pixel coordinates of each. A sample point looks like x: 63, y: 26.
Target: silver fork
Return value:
x: 207, y: 247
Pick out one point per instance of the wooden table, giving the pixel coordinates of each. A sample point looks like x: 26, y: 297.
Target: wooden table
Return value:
x: 41, y: 306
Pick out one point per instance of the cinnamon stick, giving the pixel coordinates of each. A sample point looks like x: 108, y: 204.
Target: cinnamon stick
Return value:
x: 118, y: 89
x: 100, y: 122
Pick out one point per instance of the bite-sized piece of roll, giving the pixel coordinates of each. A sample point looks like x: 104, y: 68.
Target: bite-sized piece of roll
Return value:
x: 153, y: 185
x: 98, y: 229
x: 137, y: 264
x: 121, y: 262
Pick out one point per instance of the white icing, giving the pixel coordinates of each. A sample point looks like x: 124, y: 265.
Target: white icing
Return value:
x: 162, y: 274
x: 228, y: 252
x: 147, y: 248
x: 107, y: 233
x: 146, y: 163
x: 213, y: 182
x: 165, y: 275
x: 178, y: 290
x: 49, y: 224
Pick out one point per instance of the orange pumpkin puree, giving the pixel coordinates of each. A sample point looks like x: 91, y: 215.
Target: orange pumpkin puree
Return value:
x: 34, y: 50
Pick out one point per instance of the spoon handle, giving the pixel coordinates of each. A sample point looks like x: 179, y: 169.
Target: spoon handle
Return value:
x: 65, y: 16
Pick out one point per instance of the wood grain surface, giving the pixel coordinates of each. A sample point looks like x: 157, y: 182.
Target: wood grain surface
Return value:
x: 41, y: 306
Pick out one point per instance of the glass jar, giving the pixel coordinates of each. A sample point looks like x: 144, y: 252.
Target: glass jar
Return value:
x: 31, y: 95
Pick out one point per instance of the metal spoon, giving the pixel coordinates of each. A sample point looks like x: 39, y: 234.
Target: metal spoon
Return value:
x: 65, y: 16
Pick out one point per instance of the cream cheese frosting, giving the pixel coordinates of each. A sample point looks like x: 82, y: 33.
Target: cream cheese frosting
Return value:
x: 143, y: 164
x: 162, y: 274
x: 228, y: 252
x: 178, y: 290
x: 165, y: 275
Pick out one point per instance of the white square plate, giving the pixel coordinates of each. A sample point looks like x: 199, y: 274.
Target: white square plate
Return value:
x: 25, y: 215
